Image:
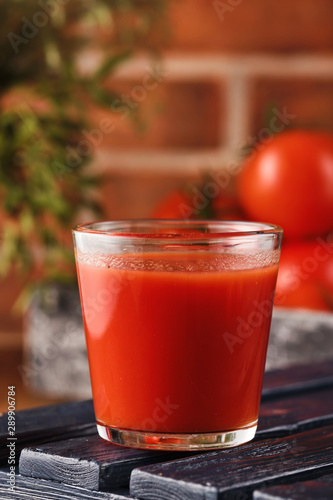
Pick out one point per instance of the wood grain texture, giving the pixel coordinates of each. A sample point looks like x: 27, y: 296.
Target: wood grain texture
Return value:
x: 318, y: 489
x: 49, y: 423
x: 89, y: 462
x: 57, y: 422
x: 297, y: 379
x: 27, y: 489
x: 235, y: 473
x: 288, y: 415
x: 98, y: 465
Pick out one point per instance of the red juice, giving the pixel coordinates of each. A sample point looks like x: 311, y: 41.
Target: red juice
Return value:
x: 177, y: 342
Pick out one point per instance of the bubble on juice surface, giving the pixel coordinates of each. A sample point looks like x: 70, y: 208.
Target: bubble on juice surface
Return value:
x: 181, y: 262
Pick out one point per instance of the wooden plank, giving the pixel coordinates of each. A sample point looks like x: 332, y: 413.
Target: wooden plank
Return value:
x: 318, y: 489
x: 57, y: 422
x: 26, y: 488
x: 236, y: 472
x: 89, y: 462
x: 297, y: 379
x: 288, y: 415
x: 96, y: 464
x: 49, y: 423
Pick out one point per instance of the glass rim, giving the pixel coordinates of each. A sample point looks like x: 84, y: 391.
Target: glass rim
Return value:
x: 115, y: 228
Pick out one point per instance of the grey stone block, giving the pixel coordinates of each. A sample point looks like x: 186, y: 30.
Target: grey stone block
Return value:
x: 56, y: 360
x: 299, y: 336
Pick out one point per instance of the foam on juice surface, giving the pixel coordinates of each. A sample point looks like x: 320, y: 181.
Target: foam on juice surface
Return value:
x: 181, y: 262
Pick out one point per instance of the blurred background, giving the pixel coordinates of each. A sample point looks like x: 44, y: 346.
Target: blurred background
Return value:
x: 120, y: 109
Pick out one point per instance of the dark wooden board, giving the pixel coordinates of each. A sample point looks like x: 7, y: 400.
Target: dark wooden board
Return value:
x: 49, y: 423
x: 296, y: 379
x: 27, y: 488
x: 97, y: 465
x: 76, y: 419
x: 235, y: 473
x: 49, y: 417
x: 317, y: 489
x: 89, y: 462
x: 287, y: 415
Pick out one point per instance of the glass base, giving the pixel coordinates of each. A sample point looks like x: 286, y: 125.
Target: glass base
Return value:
x: 177, y: 442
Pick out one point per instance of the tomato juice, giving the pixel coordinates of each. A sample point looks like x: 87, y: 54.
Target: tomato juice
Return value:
x: 177, y: 341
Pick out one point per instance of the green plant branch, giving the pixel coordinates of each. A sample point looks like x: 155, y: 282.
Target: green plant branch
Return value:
x: 47, y: 113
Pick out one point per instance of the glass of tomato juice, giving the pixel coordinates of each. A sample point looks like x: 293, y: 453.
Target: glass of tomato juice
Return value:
x: 177, y: 318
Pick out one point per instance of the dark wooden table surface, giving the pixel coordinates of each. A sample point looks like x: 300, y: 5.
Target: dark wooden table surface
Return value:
x: 55, y: 453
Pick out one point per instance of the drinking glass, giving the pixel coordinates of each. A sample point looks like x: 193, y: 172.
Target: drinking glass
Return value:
x: 177, y: 318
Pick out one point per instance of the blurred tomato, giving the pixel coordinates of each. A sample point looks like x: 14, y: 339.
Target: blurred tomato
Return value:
x: 175, y: 205
x: 305, y: 278
x: 195, y: 203
x: 289, y: 182
x: 225, y: 207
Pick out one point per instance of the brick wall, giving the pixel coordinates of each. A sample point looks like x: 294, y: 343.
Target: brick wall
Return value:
x: 231, y: 71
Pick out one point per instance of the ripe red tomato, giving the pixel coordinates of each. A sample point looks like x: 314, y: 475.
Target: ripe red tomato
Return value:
x: 305, y: 278
x: 176, y: 205
x: 197, y: 204
x: 225, y: 207
x: 289, y: 182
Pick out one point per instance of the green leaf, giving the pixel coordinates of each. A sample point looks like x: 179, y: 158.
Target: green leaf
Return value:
x: 26, y: 222
x: 110, y: 64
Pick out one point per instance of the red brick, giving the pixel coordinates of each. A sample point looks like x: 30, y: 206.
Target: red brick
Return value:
x: 311, y: 100
x: 252, y: 25
x: 176, y: 115
x: 137, y: 194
